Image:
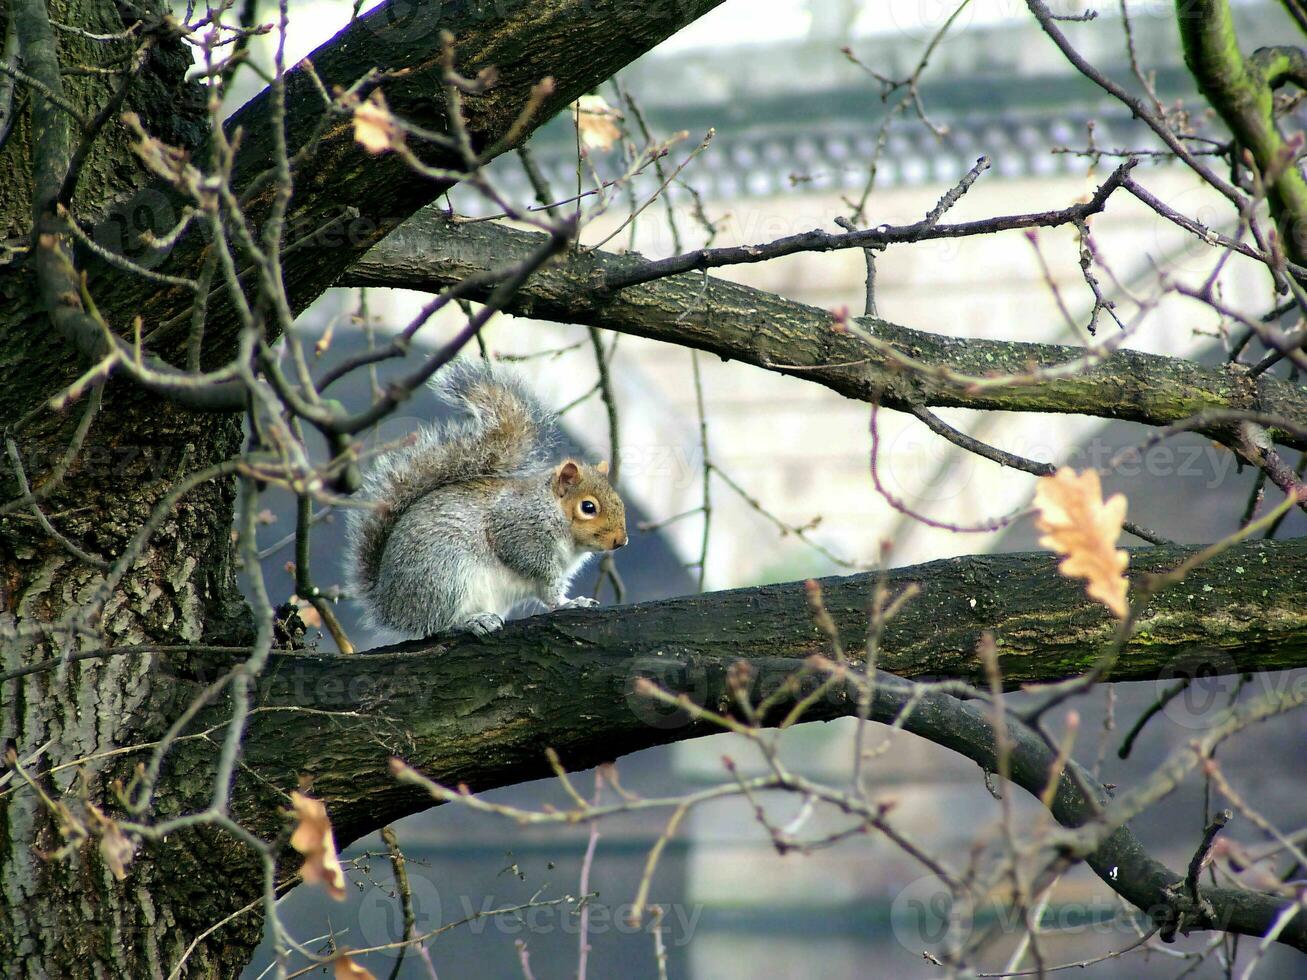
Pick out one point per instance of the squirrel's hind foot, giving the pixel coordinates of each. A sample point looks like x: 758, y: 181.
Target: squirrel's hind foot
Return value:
x: 580, y: 602
x: 482, y: 624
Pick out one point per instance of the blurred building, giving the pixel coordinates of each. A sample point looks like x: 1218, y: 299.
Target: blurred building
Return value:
x: 796, y: 123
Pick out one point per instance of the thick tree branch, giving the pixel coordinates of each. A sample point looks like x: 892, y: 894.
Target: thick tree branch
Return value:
x: 576, y: 43
x: 1241, y: 91
x: 740, y: 323
x: 1118, y: 857
x: 481, y: 713
x: 345, y: 200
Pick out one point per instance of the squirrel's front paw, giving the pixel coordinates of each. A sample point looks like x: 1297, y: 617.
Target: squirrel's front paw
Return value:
x: 483, y: 624
x: 580, y: 602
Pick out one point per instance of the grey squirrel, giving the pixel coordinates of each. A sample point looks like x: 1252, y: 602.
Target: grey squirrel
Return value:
x: 474, y: 518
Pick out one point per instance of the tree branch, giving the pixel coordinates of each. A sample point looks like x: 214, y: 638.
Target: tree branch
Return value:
x: 1240, y: 90
x: 926, y: 229
x: 345, y: 200
x: 481, y: 713
x: 576, y: 43
x: 432, y: 252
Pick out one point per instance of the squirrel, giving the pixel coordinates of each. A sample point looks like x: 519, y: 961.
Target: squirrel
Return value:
x: 473, y: 518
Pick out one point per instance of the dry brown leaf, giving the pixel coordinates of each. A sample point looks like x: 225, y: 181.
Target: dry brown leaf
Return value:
x: 596, y: 121
x: 374, y: 126
x: 164, y: 160
x: 347, y: 969
x: 309, y: 616
x: 313, y: 838
x: 115, y: 847
x: 1079, y: 524
x: 169, y: 162
x: 324, y: 342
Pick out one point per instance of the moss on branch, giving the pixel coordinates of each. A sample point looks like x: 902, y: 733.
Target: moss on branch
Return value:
x: 1241, y: 91
x: 481, y: 711
x: 758, y: 327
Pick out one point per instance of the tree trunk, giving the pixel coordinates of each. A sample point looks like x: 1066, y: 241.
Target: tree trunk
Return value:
x: 70, y: 917
x: 62, y: 911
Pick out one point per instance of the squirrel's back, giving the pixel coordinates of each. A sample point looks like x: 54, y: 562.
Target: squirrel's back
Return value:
x: 507, y: 432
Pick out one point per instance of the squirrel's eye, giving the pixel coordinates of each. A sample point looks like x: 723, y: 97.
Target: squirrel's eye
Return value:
x: 588, y: 507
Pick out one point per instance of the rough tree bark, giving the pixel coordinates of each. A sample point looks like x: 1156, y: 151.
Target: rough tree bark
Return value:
x: 481, y: 711
x: 71, y: 918
x: 61, y: 917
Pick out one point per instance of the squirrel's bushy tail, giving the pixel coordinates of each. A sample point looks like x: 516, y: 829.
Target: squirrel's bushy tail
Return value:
x: 506, y: 432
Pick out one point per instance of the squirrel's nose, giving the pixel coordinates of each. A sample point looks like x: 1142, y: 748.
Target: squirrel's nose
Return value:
x: 619, y: 542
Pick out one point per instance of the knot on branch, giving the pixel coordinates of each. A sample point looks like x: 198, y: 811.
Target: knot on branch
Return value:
x: 1189, y: 908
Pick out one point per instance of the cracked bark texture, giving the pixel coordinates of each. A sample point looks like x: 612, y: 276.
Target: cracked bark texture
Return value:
x: 60, y: 918
x: 71, y: 918
x: 481, y: 711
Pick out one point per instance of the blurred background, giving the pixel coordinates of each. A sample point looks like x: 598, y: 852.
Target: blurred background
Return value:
x: 796, y: 123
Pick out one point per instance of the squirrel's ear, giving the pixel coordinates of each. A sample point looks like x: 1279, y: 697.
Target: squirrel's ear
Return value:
x: 602, y: 467
x: 566, y: 476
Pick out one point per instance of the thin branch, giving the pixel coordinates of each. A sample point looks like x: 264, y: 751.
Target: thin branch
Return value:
x: 822, y: 241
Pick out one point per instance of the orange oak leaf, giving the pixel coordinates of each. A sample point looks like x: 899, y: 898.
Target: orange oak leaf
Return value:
x: 1079, y: 524
x: 595, y: 120
x: 309, y: 615
x: 313, y: 838
x: 347, y: 969
x: 374, y: 126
